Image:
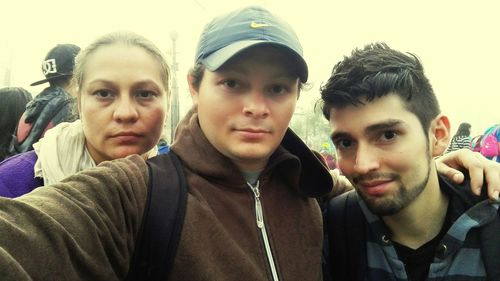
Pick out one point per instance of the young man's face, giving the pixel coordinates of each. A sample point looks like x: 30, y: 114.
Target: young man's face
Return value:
x: 245, y: 107
x: 384, y: 152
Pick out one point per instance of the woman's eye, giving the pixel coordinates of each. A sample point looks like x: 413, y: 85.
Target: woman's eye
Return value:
x: 145, y: 94
x: 103, y: 94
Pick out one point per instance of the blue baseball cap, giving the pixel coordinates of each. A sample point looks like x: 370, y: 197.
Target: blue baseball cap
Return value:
x: 227, y: 35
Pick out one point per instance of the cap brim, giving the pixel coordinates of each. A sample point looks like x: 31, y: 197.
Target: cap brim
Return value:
x: 48, y: 79
x: 215, y: 60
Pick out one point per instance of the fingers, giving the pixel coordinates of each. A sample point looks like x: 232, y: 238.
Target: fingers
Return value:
x: 492, y: 175
x: 477, y: 173
x: 453, y: 174
x: 463, y: 159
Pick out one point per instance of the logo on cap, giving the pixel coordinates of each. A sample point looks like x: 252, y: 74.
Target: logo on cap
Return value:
x: 49, y: 66
x: 256, y: 25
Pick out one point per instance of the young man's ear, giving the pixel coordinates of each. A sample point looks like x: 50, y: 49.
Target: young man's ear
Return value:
x: 439, y: 135
x: 193, y: 89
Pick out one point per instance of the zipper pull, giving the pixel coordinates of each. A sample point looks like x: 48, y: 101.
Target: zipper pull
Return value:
x: 258, y: 213
x: 258, y: 206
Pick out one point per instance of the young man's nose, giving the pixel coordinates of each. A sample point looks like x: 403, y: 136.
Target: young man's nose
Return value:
x: 366, y: 159
x: 255, y: 104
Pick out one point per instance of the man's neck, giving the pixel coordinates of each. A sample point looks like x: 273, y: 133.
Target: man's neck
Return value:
x: 423, y: 219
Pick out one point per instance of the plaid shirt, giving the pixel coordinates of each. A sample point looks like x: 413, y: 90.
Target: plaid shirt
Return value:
x: 458, y: 256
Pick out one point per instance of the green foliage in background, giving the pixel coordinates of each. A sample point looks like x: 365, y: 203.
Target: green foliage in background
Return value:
x: 310, y: 125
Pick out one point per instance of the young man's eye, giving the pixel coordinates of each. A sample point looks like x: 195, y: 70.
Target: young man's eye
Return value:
x: 278, y: 89
x: 230, y: 83
x: 389, y: 135
x: 343, y: 143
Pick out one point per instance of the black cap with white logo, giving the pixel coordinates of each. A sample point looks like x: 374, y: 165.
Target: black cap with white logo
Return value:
x: 59, y: 62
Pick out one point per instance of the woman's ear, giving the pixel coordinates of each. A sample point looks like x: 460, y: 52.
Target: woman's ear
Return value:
x: 193, y: 89
x: 439, y: 135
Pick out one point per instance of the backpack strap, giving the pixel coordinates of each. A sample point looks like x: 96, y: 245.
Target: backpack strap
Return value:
x: 38, y: 127
x: 346, y: 226
x: 163, y: 219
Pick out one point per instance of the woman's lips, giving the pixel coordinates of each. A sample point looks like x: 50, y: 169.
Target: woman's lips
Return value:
x: 124, y: 138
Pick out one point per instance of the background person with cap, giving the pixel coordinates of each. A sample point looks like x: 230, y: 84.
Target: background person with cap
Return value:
x: 53, y: 105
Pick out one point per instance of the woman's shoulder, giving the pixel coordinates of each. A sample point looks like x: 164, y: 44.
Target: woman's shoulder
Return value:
x: 20, y: 160
x: 17, y: 174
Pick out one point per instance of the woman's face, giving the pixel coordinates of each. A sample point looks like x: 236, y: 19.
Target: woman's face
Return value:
x: 122, y: 102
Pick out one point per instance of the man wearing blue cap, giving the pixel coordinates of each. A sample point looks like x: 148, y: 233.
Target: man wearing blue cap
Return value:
x: 53, y: 105
x: 251, y: 212
x: 251, y: 198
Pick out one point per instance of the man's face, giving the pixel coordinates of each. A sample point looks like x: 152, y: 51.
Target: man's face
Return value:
x: 245, y: 107
x: 383, y: 151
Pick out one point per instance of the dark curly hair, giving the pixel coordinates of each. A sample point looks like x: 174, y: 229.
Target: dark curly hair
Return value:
x: 375, y: 71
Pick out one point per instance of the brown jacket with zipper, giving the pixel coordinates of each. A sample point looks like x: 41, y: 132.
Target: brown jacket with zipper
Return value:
x: 220, y: 239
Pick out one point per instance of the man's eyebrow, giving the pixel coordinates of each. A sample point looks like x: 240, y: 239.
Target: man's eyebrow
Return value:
x: 339, y: 135
x: 387, y: 124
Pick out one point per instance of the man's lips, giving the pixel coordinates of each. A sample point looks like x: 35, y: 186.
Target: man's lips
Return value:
x: 375, y: 187
x: 252, y: 133
x: 372, y: 183
x: 253, y: 130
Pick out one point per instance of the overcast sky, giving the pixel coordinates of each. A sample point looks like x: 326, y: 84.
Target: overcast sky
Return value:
x: 457, y: 43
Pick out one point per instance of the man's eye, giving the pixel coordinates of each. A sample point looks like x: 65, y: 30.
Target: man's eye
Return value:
x: 389, y: 135
x: 343, y: 144
x: 277, y: 89
x: 230, y: 83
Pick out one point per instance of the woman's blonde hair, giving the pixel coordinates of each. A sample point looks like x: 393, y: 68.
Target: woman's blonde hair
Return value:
x: 129, y: 39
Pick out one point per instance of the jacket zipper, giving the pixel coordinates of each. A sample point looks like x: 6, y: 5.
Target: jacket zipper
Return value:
x: 260, y: 224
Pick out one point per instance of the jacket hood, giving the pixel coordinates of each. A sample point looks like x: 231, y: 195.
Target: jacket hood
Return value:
x: 38, y: 104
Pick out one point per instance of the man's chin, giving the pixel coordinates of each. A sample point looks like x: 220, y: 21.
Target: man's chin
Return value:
x: 381, y: 206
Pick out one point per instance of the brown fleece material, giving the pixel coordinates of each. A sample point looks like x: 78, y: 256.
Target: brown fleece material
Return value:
x: 220, y: 239
x: 83, y: 228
